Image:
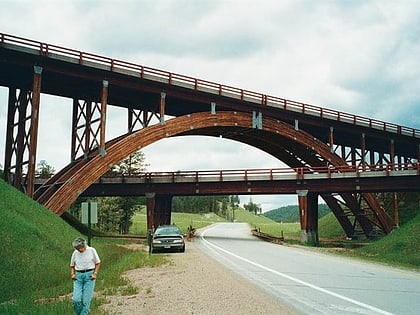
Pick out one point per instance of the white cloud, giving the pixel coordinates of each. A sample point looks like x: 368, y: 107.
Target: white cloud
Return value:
x: 360, y: 57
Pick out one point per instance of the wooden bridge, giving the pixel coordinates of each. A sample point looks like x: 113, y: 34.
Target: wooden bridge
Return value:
x: 162, y: 104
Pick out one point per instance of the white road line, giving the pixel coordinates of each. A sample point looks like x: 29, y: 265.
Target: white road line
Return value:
x: 309, y: 285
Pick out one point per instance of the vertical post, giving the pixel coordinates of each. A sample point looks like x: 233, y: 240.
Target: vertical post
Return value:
x: 17, y: 138
x: 392, y: 154
x: 396, y: 211
x: 308, y: 213
x: 162, y: 107
x: 33, y: 137
x: 213, y: 108
x: 145, y: 121
x: 150, y: 208
x: 418, y: 157
x: 87, y: 128
x: 130, y: 113
x: 303, y: 205
x: 89, y: 216
x: 89, y: 224
x: 149, y: 239
x: 74, y: 137
x: 363, y: 153
x: 372, y: 157
x: 9, y: 137
x: 163, y: 209
x: 331, y: 139
x: 104, y: 101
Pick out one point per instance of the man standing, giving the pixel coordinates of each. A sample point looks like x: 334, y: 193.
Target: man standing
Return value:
x: 84, y: 266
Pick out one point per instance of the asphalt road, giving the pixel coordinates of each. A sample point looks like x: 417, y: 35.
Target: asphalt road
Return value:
x: 311, y: 282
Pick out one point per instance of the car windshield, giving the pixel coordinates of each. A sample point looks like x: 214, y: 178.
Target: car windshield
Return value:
x: 168, y: 230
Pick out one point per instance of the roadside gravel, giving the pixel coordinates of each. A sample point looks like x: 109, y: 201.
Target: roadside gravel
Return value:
x: 192, y: 283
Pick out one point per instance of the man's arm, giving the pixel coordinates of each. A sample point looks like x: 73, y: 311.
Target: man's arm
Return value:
x: 95, y: 273
x: 73, y: 272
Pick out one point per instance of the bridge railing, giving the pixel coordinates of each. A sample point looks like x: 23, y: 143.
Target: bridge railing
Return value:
x: 114, y: 65
x: 265, y: 174
x: 271, y: 174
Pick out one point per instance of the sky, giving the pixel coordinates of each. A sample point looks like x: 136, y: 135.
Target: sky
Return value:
x: 359, y: 57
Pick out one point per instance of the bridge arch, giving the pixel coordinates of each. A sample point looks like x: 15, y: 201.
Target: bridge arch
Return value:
x: 295, y: 147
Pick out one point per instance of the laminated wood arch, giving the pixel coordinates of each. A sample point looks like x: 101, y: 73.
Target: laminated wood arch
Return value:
x: 78, y: 176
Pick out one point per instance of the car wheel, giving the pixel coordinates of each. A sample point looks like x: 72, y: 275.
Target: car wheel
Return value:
x: 182, y: 249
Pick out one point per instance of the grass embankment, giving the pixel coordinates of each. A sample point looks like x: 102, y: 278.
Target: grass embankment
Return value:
x: 400, y: 248
x: 35, y: 258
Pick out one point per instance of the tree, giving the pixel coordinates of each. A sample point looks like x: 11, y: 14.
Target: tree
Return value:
x: 132, y: 164
x: 234, y: 201
x: 44, y: 169
x: 234, y: 204
x: 115, y: 213
x: 253, y: 207
x: 200, y: 204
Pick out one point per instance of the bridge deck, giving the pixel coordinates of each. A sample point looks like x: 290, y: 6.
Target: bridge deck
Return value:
x: 250, y: 175
x: 257, y: 181
x: 19, y: 44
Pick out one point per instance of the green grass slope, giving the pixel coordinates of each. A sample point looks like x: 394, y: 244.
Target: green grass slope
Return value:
x: 35, y: 258
x: 33, y: 241
x: 330, y: 228
x: 399, y: 248
x: 267, y: 225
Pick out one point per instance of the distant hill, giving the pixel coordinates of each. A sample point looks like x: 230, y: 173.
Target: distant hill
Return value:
x: 291, y: 213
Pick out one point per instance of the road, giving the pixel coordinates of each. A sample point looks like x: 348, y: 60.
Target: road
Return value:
x: 311, y: 282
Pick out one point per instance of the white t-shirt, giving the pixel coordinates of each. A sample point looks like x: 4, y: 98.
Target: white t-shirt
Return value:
x: 85, y: 260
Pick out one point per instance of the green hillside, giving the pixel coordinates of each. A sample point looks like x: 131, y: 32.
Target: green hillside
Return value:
x: 400, y: 248
x: 33, y: 239
x: 291, y: 213
x: 35, y: 258
x: 330, y: 228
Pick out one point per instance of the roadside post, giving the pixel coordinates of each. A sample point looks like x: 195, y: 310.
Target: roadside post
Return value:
x: 149, y: 240
x: 89, y: 216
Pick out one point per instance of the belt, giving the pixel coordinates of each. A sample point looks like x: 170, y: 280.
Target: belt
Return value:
x: 86, y: 270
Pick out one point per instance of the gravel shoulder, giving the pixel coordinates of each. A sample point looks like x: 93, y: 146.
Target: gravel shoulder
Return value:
x: 192, y: 283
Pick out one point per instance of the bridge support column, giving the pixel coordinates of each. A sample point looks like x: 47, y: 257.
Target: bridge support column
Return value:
x: 88, y: 125
x: 308, y: 213
x: 162, y: 107
x: 22, y: 135
x: 150, y: 208
x: 104, y: 102
x: 163, y: 209
x: 158, y: 210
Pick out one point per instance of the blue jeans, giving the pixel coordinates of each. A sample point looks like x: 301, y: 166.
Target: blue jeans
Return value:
x: 83, y: 288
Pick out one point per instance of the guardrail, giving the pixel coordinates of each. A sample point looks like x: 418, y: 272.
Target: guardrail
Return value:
x: 267, y: 237
x: 119, y: 66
